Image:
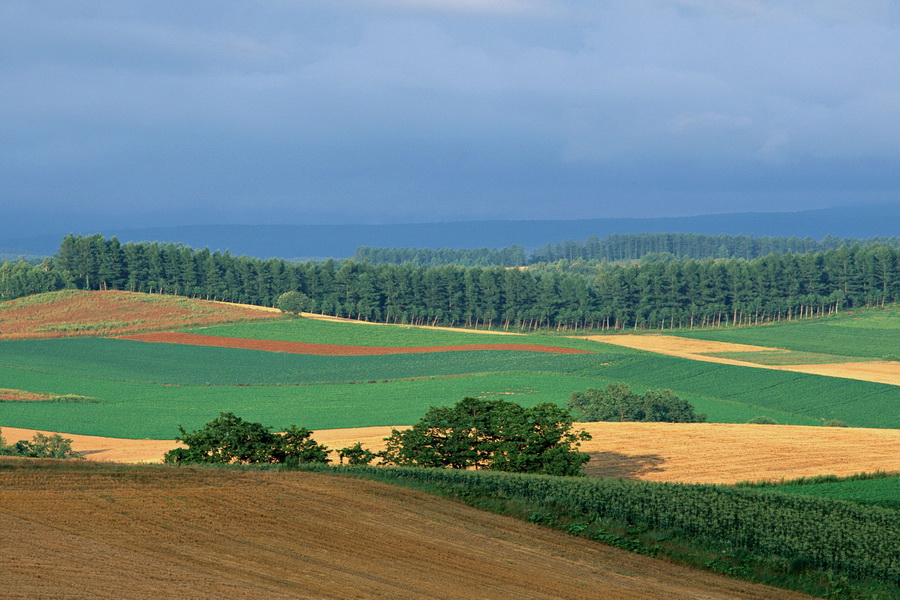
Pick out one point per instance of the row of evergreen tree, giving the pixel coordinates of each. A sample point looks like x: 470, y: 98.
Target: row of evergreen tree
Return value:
x: 510, y: 256
x: 616, y: 247
x: 677, y: 294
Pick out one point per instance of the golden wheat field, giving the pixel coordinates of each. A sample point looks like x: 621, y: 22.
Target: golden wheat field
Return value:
x: 677, y: 452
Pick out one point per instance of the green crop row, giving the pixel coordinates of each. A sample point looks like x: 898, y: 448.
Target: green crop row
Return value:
x: 368, y: 334
x: 123, y: 360
x: 883, y: 491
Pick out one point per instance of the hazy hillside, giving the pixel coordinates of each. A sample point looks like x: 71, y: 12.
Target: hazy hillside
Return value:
x: 300, y: 241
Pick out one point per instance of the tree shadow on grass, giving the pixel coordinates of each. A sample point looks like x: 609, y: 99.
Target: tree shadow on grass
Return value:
x: 623, y: 466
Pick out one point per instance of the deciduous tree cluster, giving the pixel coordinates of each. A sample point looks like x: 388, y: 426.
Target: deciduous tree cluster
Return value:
x: 484, y: 433
x: 230, y: 439
x: 619, y: 403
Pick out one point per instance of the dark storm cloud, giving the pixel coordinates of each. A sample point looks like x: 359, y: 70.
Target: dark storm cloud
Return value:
x: 446, y: 109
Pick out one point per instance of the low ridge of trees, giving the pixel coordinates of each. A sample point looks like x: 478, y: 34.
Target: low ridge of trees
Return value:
x: 230, y: 439
x: 654, y: 294
x: 618, y: 403
x: 616, y: 247
x: 493, y: 434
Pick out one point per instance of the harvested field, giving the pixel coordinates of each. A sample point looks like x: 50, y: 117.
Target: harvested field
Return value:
x: 74, y: 313
x: 879, y: 372
x: 194, y: 339
x: 728, y: 453
x: 96, y: 448
x: 151, y: 532
x: 677, y: 452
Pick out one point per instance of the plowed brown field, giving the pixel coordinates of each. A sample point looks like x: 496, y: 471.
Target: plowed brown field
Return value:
x: 878, y: 372
x: 73, y: 313
x: 678, y: 452
x: 182, y: 533
x: 195, y: 339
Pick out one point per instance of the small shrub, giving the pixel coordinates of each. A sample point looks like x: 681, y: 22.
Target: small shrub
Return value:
x: 834, y: 423
x: 762, y: 421
x: 356, y: 455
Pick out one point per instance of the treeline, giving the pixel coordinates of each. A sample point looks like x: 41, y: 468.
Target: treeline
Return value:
x: 617, y: 247
x: 678, y: 294
x: 511, y: 256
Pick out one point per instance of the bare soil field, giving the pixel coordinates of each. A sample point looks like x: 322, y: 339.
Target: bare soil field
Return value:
x: 677, y: 452
x: 878, y: 372
x: 195, y: 339
x: 73, y: 313
x: 150, y: 532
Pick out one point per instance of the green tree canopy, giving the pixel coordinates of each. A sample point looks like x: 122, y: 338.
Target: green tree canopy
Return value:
x: 230, y: 439
x: 619, y: 403
x: 493, y: 434
x: 293, y: 302
x: 41, y: 446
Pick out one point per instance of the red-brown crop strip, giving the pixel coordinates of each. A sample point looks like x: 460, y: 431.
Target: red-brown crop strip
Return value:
x: 194, y: 339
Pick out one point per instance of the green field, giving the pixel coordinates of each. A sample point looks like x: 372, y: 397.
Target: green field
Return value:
x: 871, y: 334
x: 147, y: 390
x: 368, y: 334
x: 881, y: 492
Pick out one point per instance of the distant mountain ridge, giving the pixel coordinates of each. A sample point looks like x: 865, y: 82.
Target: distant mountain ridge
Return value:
x: 341, y: 241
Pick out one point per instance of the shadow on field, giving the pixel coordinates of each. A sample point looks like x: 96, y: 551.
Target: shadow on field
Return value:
x: 622, y: 466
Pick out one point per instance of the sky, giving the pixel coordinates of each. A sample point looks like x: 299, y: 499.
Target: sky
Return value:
x: 168, y: 112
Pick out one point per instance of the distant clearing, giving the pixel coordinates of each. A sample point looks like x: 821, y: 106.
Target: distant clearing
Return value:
x: 677, y: 452
x: 74, y: 313
x: 718, y: 352
x: 92, y: 531
x: 193, y: 339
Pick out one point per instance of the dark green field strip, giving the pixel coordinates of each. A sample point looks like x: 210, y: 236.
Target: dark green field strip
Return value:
x: 136, y: 410
x: 871, y: 335
x: 880, y: 492
x: 857, y: 403
x: 364, y: 334
x: 122, y: 360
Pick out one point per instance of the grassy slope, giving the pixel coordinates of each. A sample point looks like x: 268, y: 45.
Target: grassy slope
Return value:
x: 366, y: 334
x: 882, y: 492
x: 872, y: 334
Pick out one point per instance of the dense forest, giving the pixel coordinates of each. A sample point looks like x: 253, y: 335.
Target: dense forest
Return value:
x: 674, y: 294
x: 616, y: 247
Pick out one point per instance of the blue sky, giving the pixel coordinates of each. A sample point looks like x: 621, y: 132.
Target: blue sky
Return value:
x: 368, y: 111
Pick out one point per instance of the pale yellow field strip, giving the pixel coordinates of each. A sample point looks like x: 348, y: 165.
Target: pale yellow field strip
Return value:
x: 879, y: 372
x: 102, y: 448
x: 678, y: 452
x: 251, y: 306
x: 319, y: 317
